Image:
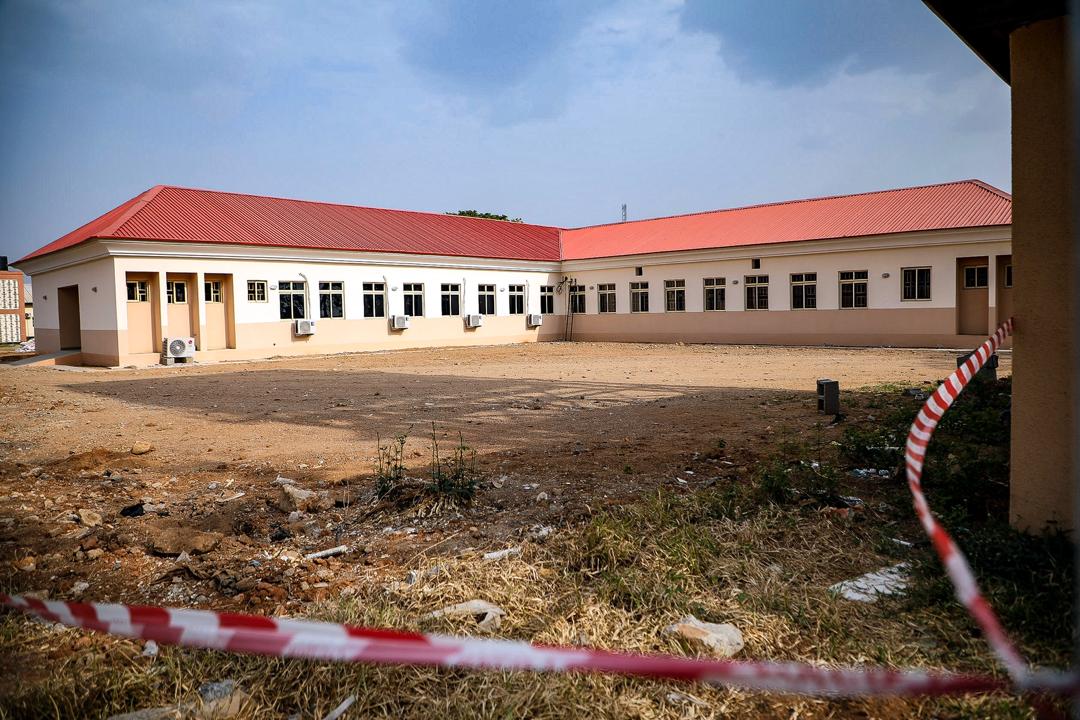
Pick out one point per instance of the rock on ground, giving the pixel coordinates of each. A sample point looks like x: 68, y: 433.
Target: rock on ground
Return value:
x: 177, y: 540
x: 724, y: 639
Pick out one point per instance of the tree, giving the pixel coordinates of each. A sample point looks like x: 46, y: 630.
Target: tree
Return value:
x: 484, y: 215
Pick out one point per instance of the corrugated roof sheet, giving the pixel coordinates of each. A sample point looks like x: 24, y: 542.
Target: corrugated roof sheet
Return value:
x: 964, y: 204
x: 184, y: 215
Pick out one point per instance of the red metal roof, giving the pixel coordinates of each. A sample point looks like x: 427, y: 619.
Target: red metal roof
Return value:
x: 183, y: 215
x: 964, y: 204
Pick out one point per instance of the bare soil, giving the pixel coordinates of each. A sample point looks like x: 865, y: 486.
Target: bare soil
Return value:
x: 562, y: 432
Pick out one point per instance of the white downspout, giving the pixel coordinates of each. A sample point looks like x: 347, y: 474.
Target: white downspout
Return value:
x: 307, y: 297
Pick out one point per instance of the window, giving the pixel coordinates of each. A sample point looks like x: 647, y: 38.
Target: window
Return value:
x: 485, y: 299
x: 374, y: 299
x: 212, y: 291
x: 414, y: 299
x: 853, y: 288
x: 757, y: 292
x: 639, y: 271
x: 331, y: 300
x: 975, y: 276
x: 605, y: 297
x: 175, y: 292
x: 292, y: 299
x: 715, y: 293
x: 451, y: 299
x: 547, y: 299
x: 674, y: 295
x: 517, y: 299
x: 1008, y: 276
x: 639, y: 296
x: 755, y: 263
x: 138, y: 291
x: 803, y: 291
x: 577, y: 299
x: 916, y: 284
x: 256, y: 290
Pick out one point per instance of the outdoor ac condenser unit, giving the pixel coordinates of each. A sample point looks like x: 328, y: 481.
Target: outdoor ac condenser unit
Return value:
x: 182, y: 347
x: 536, y: 320
x: 304, y: 327
x: 399, y: 322
x: 474, y: 321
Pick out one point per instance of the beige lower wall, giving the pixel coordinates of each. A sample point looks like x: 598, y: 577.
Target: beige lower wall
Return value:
x: 914, y: 327
x: 261, y: 340
x: 47, y: 340
x: 99, y: 347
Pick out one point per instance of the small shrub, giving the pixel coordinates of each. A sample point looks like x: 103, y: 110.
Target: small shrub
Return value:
x: 455, y: 478
x: 390, y: 466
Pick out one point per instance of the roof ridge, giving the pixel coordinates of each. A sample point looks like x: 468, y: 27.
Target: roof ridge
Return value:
x: 142, y: 201
x: 979, y: 183
x: 347, y: 205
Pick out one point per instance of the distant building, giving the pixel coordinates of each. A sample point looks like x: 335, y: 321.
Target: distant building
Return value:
x: 250, y: 276
x: 12, y: 310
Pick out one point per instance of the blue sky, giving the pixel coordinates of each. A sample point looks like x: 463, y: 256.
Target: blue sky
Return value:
x: 556, y: 112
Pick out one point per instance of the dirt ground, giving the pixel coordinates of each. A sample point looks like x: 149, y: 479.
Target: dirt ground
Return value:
x: 561, y: 431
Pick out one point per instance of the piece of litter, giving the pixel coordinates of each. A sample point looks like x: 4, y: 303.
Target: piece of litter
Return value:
x: 339, y: 550
x: 679, y: 698
x: 488, y: 616
x: 852, y: 501
x: 866, y: 588
x: 150, y: 649
x: 903, y: 543
x: 340, y: 709
x: 500, y: 554
x: 230, y: 498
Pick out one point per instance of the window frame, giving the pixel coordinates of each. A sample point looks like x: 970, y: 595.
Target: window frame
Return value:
x: 450, y: 299
x: 293, y: 289
x: 675, y: 290
x: 577, y: 296
x: 486, y: 298
x: 253, y: 287
x: 759, y: 284
x: 213, y: 289
x: 639, y: 296
x: 717, y: 286
x: 977, y: 268
x: 1007, y: 280
x: 411, y: 293
x: 330, y: 291
x: 515, y: 296
x: 142, y: 290
x: 858, y: 277
x: 606, y: 298
x: 802, y: 282
x: 170, y: 292
x: 375, y: 291
x: 916, y: 269
x: 547, y: 299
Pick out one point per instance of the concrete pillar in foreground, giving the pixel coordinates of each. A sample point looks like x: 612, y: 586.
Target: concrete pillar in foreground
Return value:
x: 1043, y: 349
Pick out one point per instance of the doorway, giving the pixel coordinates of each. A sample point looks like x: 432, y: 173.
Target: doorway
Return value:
x: 972, y: 296
x: 70, y: 327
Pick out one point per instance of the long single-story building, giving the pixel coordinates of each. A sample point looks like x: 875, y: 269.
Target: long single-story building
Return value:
x: 248, y: 276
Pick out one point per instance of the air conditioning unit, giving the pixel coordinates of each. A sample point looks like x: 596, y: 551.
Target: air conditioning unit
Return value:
x: 399, y: 322
x: 474, y: 321
x: 304, y: 327
x: 536, y: 320
x: 182, y: 347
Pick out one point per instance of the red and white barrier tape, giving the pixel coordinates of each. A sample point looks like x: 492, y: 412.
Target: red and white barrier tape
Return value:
x: 282, y: 637
x: 285, y: 637
x: 963, y: 580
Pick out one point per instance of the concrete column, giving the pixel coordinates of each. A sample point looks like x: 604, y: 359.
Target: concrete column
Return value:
x: 198, y: 297
x: 163, y: 308
x: 991, y: 292
x: 1043, y: 349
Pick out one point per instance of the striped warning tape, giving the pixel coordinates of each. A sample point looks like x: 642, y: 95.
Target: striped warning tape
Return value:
x: 286, y: 637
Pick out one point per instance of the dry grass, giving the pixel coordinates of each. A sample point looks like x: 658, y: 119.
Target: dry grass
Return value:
x: 614, y: 584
